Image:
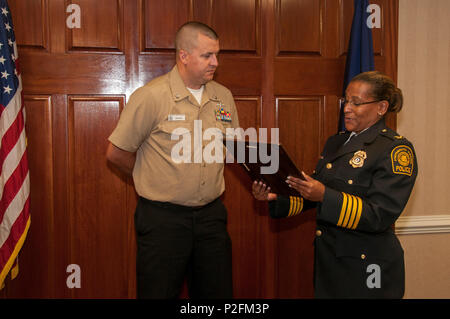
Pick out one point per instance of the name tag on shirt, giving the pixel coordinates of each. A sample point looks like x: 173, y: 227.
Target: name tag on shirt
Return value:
x: 177, y: 117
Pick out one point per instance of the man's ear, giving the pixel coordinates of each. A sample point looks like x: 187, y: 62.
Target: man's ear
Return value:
x: 183, y: 56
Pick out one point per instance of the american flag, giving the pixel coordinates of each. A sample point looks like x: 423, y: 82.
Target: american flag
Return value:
x: 14, y: 175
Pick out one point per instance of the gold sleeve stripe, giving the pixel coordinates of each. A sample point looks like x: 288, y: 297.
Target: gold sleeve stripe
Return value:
x: 301, y: 202
x: 296, y: 205
x: 354, y: 210
x: 351, y: 203
x: 343, y: 209
x: 299, y: 206
x: 290, y: 206
x: 358, y: 215
x: 350, y: 211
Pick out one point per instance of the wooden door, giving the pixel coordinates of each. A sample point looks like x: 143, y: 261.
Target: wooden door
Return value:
x: 283, y: 61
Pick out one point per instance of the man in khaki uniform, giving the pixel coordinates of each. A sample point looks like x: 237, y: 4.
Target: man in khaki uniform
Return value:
x: 180, y: 220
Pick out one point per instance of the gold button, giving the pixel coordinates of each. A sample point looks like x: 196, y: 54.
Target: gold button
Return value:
x: 314, y: 171
x: 363, y: 256
x: 384, y: 130
x: 350, y: 181
x: 318, y: 233
x: 329, y: 165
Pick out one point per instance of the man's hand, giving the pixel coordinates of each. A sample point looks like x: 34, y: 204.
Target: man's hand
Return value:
x: 309, y: 188
x: 261, y: 192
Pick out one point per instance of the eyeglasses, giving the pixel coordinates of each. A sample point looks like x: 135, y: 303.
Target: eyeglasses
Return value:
x: 345, y: 102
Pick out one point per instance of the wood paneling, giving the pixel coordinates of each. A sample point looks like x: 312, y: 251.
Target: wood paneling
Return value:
x: 79, y: 73
x: 245, y: 223
x: 159, y: 21
x: 97, y: 199
x: 295, y: 76
x: 242, y: 35
x: 30, y: 23
x: 299, y: 26
x: 249, y: 110
x: 101, y: 26
x: 300, y: 120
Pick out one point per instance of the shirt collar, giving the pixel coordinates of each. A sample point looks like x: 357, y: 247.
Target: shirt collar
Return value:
x: 369, y: 134
x: 180, y: 92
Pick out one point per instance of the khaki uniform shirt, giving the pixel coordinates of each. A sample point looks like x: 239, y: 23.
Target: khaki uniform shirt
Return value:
x: 158, y: 120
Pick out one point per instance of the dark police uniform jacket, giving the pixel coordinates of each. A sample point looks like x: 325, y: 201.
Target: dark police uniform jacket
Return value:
x: 368, y: 182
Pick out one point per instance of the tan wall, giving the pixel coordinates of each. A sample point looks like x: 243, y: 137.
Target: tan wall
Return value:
x: 424, y: 77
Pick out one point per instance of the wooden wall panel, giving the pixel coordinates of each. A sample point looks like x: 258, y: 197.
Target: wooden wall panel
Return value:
x: 98, y: 217
x: 101, y: 26
x: 296, y: 76
x: 159, y: 21
x: 299, y: 26
x: 249, y: 110
x: 30, y: 23
x: 242, y: 35
x: 76, y: 73
x: 245, y: 224
x: 300, y: 120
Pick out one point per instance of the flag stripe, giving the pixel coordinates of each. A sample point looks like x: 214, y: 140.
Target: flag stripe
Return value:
x: 22, y: 231
x: 10, y: 111
x: 17, y: 227
x: 10, y: 137
x: 14, y: 209
x: 12, y: 161
x: 13, y: 185
x: 14, y: 174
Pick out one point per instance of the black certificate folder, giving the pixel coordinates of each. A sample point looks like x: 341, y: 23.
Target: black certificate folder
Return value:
x: 266, y: 162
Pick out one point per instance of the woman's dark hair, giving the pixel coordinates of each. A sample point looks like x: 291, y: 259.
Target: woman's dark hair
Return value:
x: 383, y: 88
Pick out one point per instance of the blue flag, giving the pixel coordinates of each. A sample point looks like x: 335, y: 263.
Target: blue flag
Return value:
x: 360, y: 49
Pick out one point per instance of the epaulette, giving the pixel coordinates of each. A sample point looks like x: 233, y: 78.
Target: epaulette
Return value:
x: 391, y: 134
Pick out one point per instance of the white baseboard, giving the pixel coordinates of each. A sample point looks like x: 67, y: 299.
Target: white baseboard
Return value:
x: 422, y: 224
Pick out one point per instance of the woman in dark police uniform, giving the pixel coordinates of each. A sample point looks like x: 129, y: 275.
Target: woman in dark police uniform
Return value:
x: 360, y: 186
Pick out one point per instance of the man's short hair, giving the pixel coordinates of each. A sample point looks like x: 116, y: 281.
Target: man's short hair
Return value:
x: 186, y: 37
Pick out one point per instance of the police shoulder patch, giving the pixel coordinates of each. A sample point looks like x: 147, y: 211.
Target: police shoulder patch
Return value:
x: 402, y: 159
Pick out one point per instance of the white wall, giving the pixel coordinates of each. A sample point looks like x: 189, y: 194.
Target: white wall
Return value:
x: 424, y: 77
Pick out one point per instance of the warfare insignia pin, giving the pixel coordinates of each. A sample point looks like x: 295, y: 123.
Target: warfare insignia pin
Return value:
x: 402, y: 160
x: 358, y: 159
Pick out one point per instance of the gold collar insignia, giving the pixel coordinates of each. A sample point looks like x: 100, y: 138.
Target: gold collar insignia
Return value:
x: 358, y: 159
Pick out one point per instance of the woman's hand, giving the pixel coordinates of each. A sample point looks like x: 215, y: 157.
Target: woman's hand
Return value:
x: 309, y: 188
x: 261, y: 192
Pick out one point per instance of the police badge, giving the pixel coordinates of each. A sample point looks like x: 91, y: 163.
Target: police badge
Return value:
x: 358, y: 159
